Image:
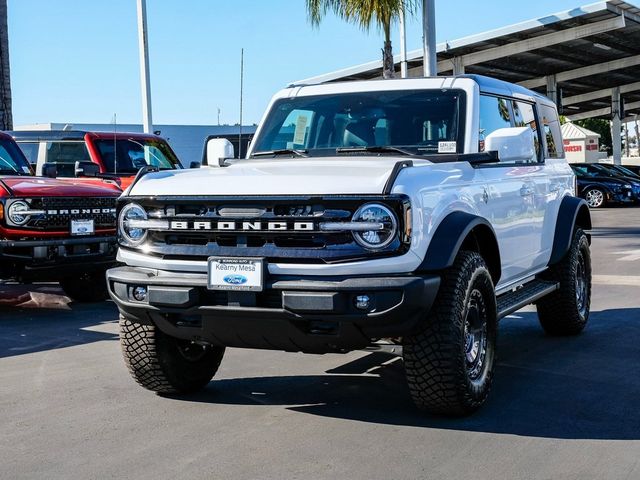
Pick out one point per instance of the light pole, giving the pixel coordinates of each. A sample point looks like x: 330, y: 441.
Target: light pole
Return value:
x: 143, y: 46
x: 403, y: 46
x: 429, y: 38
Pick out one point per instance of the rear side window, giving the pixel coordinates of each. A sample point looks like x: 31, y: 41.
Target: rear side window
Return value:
x: 552, y: 133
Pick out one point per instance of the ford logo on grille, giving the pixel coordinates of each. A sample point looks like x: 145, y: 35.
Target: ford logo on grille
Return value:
x: 235, y: 279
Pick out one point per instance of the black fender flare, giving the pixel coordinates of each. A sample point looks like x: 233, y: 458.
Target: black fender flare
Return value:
x: 450, y: 236
x: 573, y: 212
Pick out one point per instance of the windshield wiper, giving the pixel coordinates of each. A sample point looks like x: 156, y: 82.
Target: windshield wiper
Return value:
x: 375, y: 149
x: 283, y: 151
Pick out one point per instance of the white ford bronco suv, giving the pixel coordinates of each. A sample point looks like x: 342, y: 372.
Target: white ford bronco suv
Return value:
x: 412, y: 213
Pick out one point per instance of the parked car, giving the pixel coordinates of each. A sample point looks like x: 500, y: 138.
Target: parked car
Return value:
x: 118, y: 155
x: 55, y: 229
x: 600, y: 188
x: 407, y: 215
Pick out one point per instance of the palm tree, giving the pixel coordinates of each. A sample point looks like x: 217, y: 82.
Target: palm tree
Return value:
x: 364, y: 13
x: 6, y: 116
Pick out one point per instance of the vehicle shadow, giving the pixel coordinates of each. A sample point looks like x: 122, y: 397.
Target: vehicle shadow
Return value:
x: 583, y: 387
x: 36, y: 318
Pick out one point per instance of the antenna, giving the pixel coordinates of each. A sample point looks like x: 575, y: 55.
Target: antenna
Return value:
x: 241, y: 88
x: 115, y: 154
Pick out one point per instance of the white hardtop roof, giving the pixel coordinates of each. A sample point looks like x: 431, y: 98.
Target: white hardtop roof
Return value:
x: 485, y: 84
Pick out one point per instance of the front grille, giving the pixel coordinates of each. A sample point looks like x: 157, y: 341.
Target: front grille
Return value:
x: 59, y: 211
x: 288, y: 244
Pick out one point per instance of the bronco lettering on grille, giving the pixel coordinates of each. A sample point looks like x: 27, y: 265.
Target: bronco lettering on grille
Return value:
x: 242, y: 226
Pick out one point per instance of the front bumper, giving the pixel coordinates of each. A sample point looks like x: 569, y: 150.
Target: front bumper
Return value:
x: 310, y: 314
x: 625, y: 196
x: 51, y: 259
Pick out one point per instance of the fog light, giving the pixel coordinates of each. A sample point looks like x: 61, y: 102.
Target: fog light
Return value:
x: 140, y: 293
x: 363, y: 302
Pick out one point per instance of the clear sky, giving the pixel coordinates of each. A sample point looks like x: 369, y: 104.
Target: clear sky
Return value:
x: 77, y: 60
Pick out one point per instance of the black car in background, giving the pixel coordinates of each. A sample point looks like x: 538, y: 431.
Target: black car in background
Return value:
x: 599, y: 187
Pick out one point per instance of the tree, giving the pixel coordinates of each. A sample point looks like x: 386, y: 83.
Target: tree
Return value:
x: 365, y: 13
x: 6, y: 115
x: 603, y: 127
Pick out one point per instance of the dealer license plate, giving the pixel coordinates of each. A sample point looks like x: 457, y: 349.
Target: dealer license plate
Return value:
x: 82, y: 227
x: 239, y: 274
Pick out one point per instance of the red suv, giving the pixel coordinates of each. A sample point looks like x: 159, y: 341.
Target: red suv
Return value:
x: 117, y: 155
x: 55, y: 229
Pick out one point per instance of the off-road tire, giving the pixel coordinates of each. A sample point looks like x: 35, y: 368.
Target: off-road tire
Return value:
x: 86, y: 287
x: 566, y: 311
x: 595, y: 197
x: 436, y: 358
x: 157, y: 361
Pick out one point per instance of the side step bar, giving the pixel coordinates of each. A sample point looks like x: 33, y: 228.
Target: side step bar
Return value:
x: 516, y: 299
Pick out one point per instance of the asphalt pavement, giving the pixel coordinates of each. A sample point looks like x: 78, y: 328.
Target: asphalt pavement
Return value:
x: 561, y: 408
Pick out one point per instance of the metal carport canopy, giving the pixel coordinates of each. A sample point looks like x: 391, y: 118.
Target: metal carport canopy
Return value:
x: 584, y: 54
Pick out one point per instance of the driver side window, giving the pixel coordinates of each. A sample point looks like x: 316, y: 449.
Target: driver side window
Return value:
x: 495, y: 113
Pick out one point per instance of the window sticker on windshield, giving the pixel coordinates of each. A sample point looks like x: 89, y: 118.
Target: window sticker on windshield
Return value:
x: 447, y: 147
x: 301, y: 129
x: 25, y: 169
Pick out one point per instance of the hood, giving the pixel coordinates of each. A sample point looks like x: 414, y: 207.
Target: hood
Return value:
x: 300, y: 176
x: 52, y: 187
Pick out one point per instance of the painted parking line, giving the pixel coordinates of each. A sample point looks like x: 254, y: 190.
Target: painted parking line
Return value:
x: 628, y: 256
x: 623, y: 280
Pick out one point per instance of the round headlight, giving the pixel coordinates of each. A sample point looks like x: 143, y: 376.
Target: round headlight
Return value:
x: 132, y: 235
x: 385, y: 223
x: 15, y: 214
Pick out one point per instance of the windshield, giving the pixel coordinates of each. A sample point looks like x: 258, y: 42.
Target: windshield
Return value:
x: 416, y: 121
x: 12, y: 160
x: 127, y: 156
x: 625, y: 171
x: 591, y: 170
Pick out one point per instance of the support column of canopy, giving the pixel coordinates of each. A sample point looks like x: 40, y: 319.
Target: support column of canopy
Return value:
x: 616, y: 126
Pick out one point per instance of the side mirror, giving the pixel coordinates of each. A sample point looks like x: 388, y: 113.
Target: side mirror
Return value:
x: 514, y: 144
x: 87, y: 169
x: 194, y: 165
x: 219, y: 150
x: 49, y: 170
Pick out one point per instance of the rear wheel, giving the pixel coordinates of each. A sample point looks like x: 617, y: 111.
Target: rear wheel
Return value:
x: 595, y: 198
x: 164, y: 364
x: 566, y: 311
x: 86, y: 287
x: 449, y: 363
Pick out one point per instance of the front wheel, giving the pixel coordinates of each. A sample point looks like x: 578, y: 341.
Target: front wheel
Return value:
x: 164, y: 364
x: 595, y: 198
x: 566, y: 311
x: 449, y: 363
x: 86, y: 287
